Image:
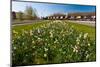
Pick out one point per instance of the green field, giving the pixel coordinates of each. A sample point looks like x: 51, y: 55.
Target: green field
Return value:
x: 79, y: 27
x: 48, y: 42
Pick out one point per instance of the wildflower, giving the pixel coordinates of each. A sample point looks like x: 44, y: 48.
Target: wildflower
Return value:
x: 51, y: 34
x: 80, y: 35
x: 31, y: 32
x: 75, y: 49
x: 63, y: 35
x: 45, y: 49
x: 33, y: 47
x: 45, y: 55
x: 56, y: 41
x: 87, y: 55
x: 48, y: 44
x: 33, y: 54
x: 18, y: 37
x: 38, y: 30
x: 85, y: 35
x: 77, y: 40
x: 54, y: 46
x: 23, y: 43
x: 35, y: 36
x: 14, y: 48
x: 46, y: 39
x: 33, y: 42
x: 26, y: 55
x: 88, y: 44
x: 39, y: 38
x: 25, y: 32
x: 15, y: 32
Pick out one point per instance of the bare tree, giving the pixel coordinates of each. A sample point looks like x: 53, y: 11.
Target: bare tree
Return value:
x: 19, y: 15
x: 30, y: 13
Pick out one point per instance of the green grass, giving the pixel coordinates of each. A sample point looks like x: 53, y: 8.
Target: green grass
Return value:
x: 79, y: 27
x: 85, y: 28
x: 56, y: 42
x: 29, y: 26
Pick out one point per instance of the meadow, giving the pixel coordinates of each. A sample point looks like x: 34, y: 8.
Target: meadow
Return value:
x: 51, y: 41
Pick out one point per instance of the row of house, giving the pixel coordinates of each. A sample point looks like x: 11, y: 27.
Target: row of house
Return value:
x: 85, y: 16
x: 56, y: 16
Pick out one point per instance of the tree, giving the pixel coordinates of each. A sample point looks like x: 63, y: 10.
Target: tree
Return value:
x: 19, y: 15
x: 13, y: 15
x: 30, y: 13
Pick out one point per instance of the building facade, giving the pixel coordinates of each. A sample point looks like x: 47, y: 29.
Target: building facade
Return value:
x: 83, y: 16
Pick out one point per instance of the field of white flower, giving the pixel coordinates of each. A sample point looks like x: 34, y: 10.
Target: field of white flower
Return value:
x: 54, y: 42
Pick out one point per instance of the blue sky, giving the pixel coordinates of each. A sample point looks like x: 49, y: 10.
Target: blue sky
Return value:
x: 45, y: 9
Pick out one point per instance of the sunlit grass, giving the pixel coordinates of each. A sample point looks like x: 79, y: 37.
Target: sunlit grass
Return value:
x: 52, y: 42
x: 79, y: 27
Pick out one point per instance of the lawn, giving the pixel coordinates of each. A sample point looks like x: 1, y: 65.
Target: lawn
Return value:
x: 29, y: 26
x: 84, y: 28
x: 48, y: 42
x: 79, y: 27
